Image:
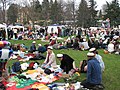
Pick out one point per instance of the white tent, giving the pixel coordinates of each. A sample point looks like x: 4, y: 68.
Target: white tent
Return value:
x: 54, y: 28
x: 18, y: 27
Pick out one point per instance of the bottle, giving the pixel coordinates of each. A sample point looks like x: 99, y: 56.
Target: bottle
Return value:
x: 9, y: 70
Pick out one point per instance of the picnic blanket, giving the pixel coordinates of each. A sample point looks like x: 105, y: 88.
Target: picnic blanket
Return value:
x: 40, y: 86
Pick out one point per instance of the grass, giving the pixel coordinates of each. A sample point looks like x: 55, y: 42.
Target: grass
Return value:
x: 111, y: 74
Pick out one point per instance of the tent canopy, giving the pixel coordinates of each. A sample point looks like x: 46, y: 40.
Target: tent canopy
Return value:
x: 54, y: 28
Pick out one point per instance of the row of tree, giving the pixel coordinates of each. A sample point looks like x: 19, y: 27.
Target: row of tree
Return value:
x: 85, y: 15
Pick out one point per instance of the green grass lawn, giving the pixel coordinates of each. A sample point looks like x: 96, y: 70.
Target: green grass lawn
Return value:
x: 111, y: 74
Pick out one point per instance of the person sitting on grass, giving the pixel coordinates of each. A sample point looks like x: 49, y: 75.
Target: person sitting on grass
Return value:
x: 33, y: 47
x: 98, y: 57
x: 67, y: 63
x: 83, y: 64
x: 50, y: 60
x: 41, y: 49
x: 94, y: 74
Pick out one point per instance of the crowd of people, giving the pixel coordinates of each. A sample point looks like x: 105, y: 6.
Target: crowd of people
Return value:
x: 79, y: 38
x: 91, y: 40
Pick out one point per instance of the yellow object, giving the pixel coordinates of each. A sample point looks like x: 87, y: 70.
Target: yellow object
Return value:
x: 1, y: 44
x: 40, y: 86
x: 78, y: 73
x: 31, y: 71
x: 106, y: 52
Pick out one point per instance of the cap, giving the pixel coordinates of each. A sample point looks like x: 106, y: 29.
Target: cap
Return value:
x: 39, y: 45
x: 92, y: 49
x: 50, y: 47
x: 53, y: 38
x: 90, y: 54
x: 92, y: 37
x: 96, y: 39
x: 116, y: 37
x: 34, y: 42
x: 59, y: 55
x: 84, y: 39
x: 72, y: 37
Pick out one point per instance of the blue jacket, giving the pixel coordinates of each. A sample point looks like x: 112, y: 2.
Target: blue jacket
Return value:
x: 42, y: 49
x: 32, y: 48
x: 94, y: 74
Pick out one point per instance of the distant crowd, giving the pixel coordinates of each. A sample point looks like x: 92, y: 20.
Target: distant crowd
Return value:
x: 79, y: 39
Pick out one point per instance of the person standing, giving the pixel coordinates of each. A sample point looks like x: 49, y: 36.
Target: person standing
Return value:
x: 15, y: 32
x: 94, y: 74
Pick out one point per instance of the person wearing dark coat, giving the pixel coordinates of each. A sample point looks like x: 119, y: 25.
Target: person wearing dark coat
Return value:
x: 67, y: 63
x: 41, y: 49
x: 33, y: 47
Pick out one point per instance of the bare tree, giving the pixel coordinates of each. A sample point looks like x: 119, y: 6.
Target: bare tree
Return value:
x: 4, y: 5
x: 28, y: 9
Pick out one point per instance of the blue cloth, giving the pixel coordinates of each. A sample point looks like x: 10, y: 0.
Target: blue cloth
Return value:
x: 99, y: 58
x: 94, y: 75
x: 42, y: 49
x: 44, y: 66
x: 32, y: 48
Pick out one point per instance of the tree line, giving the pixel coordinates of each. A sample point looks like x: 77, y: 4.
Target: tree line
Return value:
x: 59, y: 12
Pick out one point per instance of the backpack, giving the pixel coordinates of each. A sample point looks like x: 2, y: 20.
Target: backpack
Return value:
x: 83, y: 65
x: 47, y: 71
x: 16, y: 67
x: 31, y: 65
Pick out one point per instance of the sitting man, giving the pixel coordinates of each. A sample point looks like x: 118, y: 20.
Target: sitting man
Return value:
x: 33, y: 47
x: 94, y: 75
x: 41, y: 49
x: 83, y: 64
x: 50, y: 60
x: 98, y: 57
x: 67, y: 63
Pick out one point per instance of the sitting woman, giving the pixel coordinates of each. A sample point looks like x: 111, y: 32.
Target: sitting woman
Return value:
x: 67, y: 63
x: 50, y: 60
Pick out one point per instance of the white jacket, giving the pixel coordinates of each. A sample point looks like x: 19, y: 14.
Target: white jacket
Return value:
x: 52, y: 60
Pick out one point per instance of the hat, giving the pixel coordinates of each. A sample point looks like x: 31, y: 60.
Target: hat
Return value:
x: 34, y: 42
x: 50, y: 47
x: 59, y: 55
x: 53, y: 38
x: 92, y: 37
x: 92, y: 49
x: 115, y: 37
x: 72, y: 37
x: 96, y: 39
x: 90, y: 54
x: 84, y: 39
x: 39, y: 45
